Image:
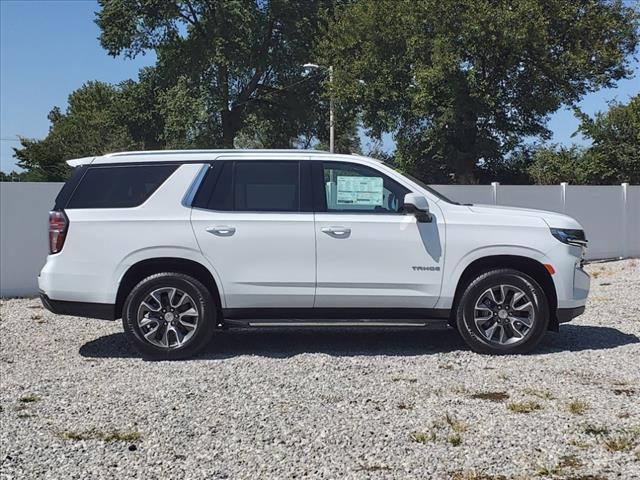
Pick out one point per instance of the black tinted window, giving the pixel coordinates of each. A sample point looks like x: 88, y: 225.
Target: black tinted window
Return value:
x: 266, y: 186
x: 260, y: 186
x: 119, y: 187
x: 222, y: 195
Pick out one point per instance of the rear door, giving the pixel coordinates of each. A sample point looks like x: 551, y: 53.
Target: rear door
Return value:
x: 254, y: 222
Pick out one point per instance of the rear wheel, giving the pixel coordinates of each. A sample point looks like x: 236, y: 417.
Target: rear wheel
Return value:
x: 169, y: 315
x: 502, y: 311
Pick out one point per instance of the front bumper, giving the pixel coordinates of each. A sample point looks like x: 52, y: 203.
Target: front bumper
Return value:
x: 102, y: 311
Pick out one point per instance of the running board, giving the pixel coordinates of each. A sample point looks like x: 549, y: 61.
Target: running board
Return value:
x: 256, y: 322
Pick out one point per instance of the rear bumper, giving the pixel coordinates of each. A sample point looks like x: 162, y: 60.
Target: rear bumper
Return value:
x: 567, y: 314
x: 102, y: 311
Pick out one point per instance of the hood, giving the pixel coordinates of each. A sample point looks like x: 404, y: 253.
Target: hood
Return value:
x: 553, y: 219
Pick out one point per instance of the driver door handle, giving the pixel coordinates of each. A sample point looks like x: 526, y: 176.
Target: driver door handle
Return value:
x: 336, y: 232
x: 222, y: 230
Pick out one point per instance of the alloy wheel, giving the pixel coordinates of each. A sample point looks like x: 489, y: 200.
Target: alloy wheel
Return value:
x: 168, y: 317
x: 504, y: 314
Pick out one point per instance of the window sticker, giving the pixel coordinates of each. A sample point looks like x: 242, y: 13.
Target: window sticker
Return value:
x: 359, y: 190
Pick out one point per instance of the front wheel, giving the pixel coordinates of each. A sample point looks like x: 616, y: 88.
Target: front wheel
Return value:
x: 169, y: 316
x: 502, y: 311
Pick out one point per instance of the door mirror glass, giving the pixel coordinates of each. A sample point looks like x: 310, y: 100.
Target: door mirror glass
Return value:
x: 417, y: 205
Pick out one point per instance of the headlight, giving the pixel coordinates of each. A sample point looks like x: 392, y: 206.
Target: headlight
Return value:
x: 569, y: 236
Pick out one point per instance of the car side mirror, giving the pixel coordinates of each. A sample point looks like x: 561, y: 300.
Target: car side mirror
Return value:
x: 417, y: 205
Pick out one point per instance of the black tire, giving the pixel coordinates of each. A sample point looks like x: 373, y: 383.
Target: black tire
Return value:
x: 203, y: 302
x: 466, y: 309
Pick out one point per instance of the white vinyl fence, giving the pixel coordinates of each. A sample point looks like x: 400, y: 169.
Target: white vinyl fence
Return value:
x: 609, y: 214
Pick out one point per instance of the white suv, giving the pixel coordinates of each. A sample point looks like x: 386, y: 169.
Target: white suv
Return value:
x: 182, y: 244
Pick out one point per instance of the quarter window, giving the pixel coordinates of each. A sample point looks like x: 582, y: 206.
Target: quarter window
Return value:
x: 356, y: 188
x: 119, y: 187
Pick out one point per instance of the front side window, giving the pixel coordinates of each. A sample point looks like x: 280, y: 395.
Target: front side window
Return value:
x: 257, y: 186
x: 359, y: 189
x: 119, y: 186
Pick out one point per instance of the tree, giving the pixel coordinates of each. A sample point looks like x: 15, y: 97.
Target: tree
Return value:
x: 614, y: 155
x: 100, y: 118
x: 462, y: 82
x: 612, y: 158
x: 553, y: 165
x: 227, y: 68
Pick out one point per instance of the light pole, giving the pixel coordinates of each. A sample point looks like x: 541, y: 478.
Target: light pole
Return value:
x: 331, y: 113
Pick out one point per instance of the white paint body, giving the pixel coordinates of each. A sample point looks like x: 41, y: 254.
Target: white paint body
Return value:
x: 286, y: 259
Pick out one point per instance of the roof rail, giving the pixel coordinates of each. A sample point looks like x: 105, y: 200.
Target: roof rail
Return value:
x: 194, y: 152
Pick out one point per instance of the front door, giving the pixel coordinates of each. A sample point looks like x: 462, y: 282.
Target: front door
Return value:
x: 370, y: 254
x: 256, y: 229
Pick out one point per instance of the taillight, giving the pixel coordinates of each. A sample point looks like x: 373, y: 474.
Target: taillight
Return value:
x: 57, y: 230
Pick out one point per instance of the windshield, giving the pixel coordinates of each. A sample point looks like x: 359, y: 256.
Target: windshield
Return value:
x: 423, y: 185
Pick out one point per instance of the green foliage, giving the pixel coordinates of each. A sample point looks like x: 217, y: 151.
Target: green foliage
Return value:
x: 553, y: 164
x: 100, y: 118
x: 230, y: 69
x: 613, y: 157
x: 462, y: 82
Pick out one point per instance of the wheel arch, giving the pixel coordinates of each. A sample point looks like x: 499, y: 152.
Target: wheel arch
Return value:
x: 527, y: 265
x: 142, y: 269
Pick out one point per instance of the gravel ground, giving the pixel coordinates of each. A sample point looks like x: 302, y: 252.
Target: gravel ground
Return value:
x: 76, y: 402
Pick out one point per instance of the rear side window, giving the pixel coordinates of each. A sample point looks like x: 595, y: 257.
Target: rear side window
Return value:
x: 119, y: 186
x: 257, y: 186
x: 266, y: 186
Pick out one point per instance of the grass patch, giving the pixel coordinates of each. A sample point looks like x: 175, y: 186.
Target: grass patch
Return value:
x: 422, y: 437
x: 491, y: 396
x: 456, y: 425
x: 404, y: 379
x: 29, y: 399
x: 548, y: 470
x: 623, y: 442
x: 578, y: 443
x: 455, y: 440
x: 113, y: 436
x: 590, y: 429
x: 570, y: 461
x: 578, y: 407
x: 524, y: 407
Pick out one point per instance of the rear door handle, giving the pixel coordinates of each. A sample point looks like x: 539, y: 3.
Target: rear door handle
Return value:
x: 222, y: 230
x: 336, y: 232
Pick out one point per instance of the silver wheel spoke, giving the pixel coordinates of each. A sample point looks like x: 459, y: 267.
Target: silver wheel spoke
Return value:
x: 192, y: 312
x: 516, y: 333
x: 524, y: 320
x: 483, y: 308
x: 151, y: 332
x: 517, y: 296
x: 503, y: 292
x: 150, y: 308
x: 490, y: 331
x: 525, y: 306
x: 187, y: 325
x: 146, y: 321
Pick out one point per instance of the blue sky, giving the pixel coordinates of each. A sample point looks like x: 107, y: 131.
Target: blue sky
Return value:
x: 50, y: 48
